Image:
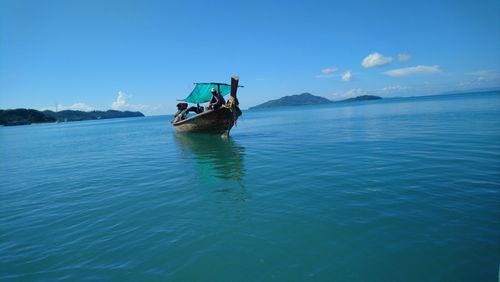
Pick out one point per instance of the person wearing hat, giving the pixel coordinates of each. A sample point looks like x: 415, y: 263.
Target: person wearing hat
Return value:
x: 217, y: 100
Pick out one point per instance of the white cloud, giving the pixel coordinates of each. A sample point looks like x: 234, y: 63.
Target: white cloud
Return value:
x: 355, y: 92
x: 81, y: 107
x: 347, y: 76
x: 75, y: 107
x: 412, y: 70
x: 146, y: 108
x: 483, y: 75
x: 121, y: 102
x: 386, y: 91
x: 375, y: 60
x: 351, y: 93
x: 329, y: 70
x: 481, y: 78
x: 404, y: 57
x: 393, y: 88
x: 327, y: 75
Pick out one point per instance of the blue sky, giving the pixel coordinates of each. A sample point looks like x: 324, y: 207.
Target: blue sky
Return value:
x: 143, y: 55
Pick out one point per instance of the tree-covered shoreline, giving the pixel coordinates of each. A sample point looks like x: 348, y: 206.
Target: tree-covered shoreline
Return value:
x: 12, y: 117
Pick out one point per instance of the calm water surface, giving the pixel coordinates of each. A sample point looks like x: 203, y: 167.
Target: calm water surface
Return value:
x: 394, y: 190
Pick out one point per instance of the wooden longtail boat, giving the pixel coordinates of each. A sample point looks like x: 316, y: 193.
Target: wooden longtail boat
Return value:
x: 218, y: 121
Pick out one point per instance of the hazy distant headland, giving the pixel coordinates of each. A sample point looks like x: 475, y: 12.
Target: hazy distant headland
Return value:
x: 359, y: 98
x: 30, y: 116
x: 309, y: 99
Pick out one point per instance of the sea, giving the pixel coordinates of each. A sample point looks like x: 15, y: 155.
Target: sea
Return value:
x: 402, y: 189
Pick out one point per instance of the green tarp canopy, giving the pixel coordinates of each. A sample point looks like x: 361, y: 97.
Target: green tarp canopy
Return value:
x: 201, y: 92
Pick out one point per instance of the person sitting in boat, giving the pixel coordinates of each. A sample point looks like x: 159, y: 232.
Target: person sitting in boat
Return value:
x: 217, y: 100
x: 181, y: 112
x: 195, y: 109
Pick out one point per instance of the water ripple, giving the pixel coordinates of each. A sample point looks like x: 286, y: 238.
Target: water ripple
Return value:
x: 346, y: 192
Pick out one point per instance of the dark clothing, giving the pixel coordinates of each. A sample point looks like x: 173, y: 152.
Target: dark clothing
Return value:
x: 182, y: 112
x: 216, y: 102
x: 195, y: 109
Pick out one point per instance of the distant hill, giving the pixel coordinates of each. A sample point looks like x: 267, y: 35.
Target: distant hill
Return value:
x: 360, y: 98
x: 294, y: 100
x: 309, y: 99
x: 23, y: 116
x: 29, y: 116
x: 69, y: 115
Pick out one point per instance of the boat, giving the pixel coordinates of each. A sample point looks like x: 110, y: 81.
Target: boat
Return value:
x: 218, y: 121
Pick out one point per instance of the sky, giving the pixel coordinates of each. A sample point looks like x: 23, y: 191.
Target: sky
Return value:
x: 144, y: 55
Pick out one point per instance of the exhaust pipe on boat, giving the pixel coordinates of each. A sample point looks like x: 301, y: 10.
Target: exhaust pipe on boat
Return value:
x: 234, y: 85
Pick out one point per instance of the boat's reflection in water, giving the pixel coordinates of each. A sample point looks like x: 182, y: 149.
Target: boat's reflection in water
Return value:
x: 217, y: 159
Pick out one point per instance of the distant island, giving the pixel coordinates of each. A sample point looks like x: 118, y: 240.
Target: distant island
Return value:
x: 360, y: 98
x: 30, y: 116
x: 294, y: 100
x: 309, y: 99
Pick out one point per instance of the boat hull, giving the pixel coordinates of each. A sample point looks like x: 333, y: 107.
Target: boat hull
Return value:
x: 218, y: 121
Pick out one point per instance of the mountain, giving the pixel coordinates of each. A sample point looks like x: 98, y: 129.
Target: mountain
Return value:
x: 29, y: 116
x: 23, y: 116
x: 294, y: 100
x: 360, y: 98
x: 69, y: 115
x: 309, y: 99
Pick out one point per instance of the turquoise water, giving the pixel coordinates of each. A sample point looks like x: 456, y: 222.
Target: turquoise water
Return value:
x: 392, y: 190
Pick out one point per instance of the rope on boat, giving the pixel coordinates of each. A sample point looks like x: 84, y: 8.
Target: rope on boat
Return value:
x: 232, y: 104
